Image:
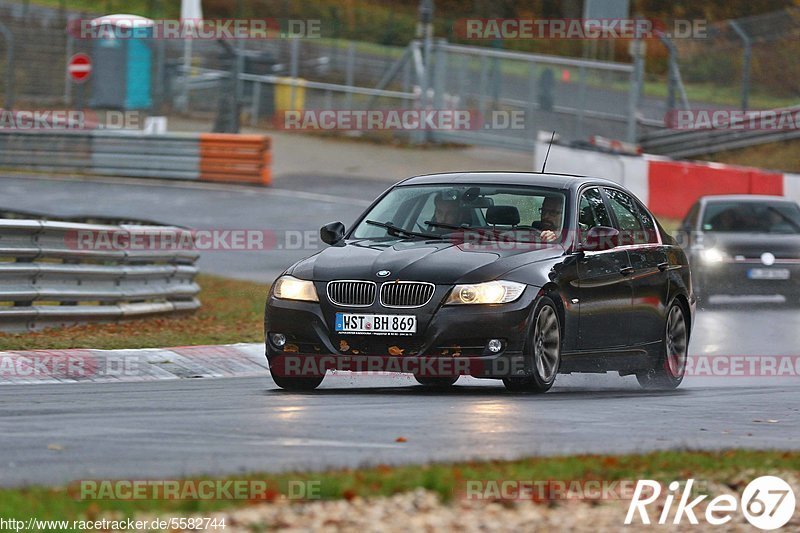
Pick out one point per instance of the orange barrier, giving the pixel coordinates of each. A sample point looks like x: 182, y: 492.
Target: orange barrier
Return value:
x: 235, y: 158
x: 675, y: 185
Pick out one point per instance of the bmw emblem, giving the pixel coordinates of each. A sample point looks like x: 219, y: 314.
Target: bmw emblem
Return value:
x: 383, y: 273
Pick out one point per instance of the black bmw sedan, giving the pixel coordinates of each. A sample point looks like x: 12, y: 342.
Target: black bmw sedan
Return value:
x: 512, y: 276
x: 743, y: 245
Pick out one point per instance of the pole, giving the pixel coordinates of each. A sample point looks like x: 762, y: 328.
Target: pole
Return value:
x: 637, y: 50
x: 748, y: 50
x: 425, y: 32
x: 9, y: 38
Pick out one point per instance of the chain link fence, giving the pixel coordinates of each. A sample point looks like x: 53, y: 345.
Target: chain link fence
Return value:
x: 578, y: 98
x: 746, y: 63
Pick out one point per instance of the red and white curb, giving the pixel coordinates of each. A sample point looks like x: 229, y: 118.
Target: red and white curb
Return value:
x: 149, y: 364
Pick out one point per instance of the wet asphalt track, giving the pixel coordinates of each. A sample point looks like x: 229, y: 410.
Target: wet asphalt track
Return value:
x: 58, y: 433
x: 292, y: 211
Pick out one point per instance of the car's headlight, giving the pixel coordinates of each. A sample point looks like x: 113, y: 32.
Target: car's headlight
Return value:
x: 291, y: 288
x: 712, y: 255
x: 491, y: 292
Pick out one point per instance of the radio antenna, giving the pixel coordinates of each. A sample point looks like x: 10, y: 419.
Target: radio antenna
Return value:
x: 544, y: 164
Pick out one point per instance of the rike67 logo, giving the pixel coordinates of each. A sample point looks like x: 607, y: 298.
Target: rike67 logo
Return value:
x: 768, y: 503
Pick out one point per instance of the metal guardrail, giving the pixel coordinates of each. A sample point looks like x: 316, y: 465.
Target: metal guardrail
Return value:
x: 692, y: 142
x: 54, y: 273
x: 204, y: 157
x: 163, y: 156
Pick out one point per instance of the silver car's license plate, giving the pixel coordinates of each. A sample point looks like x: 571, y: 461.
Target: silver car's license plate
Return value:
x: 768, y: 273
x: 376, y: 324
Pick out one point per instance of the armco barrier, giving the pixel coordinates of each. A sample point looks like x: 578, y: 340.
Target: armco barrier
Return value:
x: 230, y: 158
x: 237, y: 158
x: 675, y: 185
x: 669, y: 188
x: 791, y: 186
x: 47, y: 278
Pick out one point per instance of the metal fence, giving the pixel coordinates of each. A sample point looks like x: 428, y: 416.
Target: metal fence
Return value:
x: 48, y: 278
x: 747, y: 62
x: 578, y: 98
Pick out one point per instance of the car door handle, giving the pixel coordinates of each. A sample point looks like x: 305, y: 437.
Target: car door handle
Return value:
x: 663, y: 266
x: 627, y: 271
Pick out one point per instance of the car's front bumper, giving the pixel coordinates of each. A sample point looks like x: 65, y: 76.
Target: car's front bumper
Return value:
x: 451, y: 339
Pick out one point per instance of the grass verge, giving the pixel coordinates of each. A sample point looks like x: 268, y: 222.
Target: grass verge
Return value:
x: 447, y: 480
x: 232, y: 311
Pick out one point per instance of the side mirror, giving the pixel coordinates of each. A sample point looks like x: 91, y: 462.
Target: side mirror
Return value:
x: 600, y: 238
x: 332, y: 233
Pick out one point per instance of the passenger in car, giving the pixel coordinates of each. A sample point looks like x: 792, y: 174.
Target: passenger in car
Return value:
x: 552, y: 216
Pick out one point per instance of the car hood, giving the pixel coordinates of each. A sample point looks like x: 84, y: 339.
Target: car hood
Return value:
x: 441, y: 262
x: 754, y: 244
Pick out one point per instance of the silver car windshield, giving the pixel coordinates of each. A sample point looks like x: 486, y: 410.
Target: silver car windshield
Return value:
x: 752, y: 217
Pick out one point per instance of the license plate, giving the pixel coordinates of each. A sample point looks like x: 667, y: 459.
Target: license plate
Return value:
x: 376, y: 324
x: 768, y: 273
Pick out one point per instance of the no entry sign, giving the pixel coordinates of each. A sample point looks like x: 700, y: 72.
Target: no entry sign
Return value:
x: 79, y: 67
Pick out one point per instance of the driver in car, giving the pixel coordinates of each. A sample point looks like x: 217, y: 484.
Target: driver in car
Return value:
x: 552, y: 216
x: 448, y: 211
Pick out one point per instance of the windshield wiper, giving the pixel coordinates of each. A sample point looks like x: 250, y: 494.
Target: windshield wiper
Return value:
x: 398, y: 231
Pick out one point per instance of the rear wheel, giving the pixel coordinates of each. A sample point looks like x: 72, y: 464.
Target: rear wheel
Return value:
x: 545, y: 351
x: 297, y: 384
x: 436, y: 383
x: 671, y: 367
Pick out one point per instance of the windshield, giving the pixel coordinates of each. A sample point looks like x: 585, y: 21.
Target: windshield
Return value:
x: 516, y: 213
x: 752, y: 217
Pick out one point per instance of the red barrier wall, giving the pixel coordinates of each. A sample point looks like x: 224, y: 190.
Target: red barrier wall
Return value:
x: 675, y: 185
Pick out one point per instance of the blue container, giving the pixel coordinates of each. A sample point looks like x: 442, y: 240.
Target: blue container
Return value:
x: 122, y: 63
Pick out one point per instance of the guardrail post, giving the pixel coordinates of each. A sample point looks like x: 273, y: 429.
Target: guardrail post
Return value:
x: 439, y: 75
x: 530, y: 123
x: 579, y: 131
x: 748, y: 50
x: 294, y: 69
x: 9, y: 38
x: 350, y: 66
x: 256, y: 104
x: 637, y: 50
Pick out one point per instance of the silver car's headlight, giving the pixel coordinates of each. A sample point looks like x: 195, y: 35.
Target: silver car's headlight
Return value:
x: 712, y: 255
x: 491, y: 292
x: 291, y: 288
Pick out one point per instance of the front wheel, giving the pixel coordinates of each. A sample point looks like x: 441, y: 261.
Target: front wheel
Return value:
x: 671, y: 367
x: 545, y: 349
x: 297, y: 384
